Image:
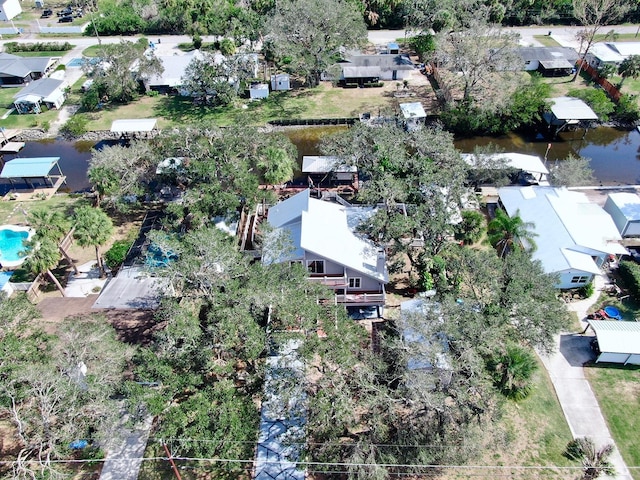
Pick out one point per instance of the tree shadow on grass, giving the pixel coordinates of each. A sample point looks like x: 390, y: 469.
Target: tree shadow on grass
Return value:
x: 182, y: 110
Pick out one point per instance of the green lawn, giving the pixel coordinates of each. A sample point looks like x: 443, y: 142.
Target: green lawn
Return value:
x: 618, y: 37
x: 324, y: 101
x: 546, y: 41
x: 617, y: 389
x: 12, y: 212
x: 538, y: 427
x: 21, y: 121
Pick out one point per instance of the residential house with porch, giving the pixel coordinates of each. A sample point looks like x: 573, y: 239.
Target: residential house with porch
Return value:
x: 363, y: 69
x: 18, y: 71
x: 574, y: 237
x: 323, y: 239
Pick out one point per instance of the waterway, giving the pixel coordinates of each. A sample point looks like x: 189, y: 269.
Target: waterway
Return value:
x: 614, y: 154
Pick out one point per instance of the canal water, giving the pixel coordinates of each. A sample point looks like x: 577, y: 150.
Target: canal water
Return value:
x: 614, y: 154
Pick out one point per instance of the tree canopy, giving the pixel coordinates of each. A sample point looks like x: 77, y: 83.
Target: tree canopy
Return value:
x: 306, y: 36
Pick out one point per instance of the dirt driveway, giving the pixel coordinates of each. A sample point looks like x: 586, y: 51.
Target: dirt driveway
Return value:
x: 133, y: 326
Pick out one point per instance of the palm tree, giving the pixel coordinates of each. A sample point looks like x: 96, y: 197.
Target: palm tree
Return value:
x: 93, y: 228
x: 43, y: 255
x: 508, y: 233
x: 53, y: 225
x: 277, y: 164
x: 595, y: 462
x: 512, y: 370
x: 629, y: 67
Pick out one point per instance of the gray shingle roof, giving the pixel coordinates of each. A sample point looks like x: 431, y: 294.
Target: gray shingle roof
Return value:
x: 16, y: 66
x: 42, y: 88
x: 548, y: 53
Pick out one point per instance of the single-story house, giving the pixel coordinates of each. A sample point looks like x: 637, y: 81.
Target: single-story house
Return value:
x: 280, y: 81
x: 17, y: 71
x: 322, y: 237
x: 612, y: 53
x: 174, y: 67
x: 624, y: 208
x: 574, y: 236
x: 413, y: 114
x: 618, y: 341
x: 371, y: 68
x: 603, y: 53
x: 9, y: 9
x: 47, y: 91
x: 549, y: 61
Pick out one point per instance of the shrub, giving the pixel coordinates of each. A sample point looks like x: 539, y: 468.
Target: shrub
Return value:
x: 512, y: 370
x: 630, y: 274
x: 117, y: 253
x: 197, y: 42
x: 597, y: 99
x: 76, y: 125
x: 90, y: 100
x: 227, y: 47
x: 472, y: 226
x: 626, y: 111
x: 423, y: 45
x: 152, y: 93
x: 587, y: 290
x: 12, y: 47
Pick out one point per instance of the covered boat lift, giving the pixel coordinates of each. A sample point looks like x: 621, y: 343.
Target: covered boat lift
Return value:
x: 30, y: 169
x: 133, y: 126
x: 618, y: 341
x: 532, y: 164
x: 568, y: 111
x: 320, y: 169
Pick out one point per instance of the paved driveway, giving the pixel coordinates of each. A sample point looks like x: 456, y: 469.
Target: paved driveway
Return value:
x: 578, y: 402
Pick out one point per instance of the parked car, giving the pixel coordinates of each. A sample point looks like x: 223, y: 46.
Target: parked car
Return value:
x: 65, y: 12
x: 67, y: 19
x: 46, y: 13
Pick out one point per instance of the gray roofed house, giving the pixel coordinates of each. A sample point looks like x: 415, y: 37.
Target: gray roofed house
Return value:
x: 44, y: 90
x: 372, y: 67
x: 17, y: 71
x: 549, y: 60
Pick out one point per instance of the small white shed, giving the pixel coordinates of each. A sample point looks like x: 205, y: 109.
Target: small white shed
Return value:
x: 280, y: 81
x: 258, y: 91
x: 624, y: 208
x: 618, y: 341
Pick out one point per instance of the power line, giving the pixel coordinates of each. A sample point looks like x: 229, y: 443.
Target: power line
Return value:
x: 320, y: 464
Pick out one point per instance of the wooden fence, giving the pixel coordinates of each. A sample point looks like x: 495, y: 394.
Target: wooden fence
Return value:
x: 443, y: 91
x: 606, y: 85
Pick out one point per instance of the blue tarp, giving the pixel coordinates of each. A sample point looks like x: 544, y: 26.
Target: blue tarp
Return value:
x: 29, y: 167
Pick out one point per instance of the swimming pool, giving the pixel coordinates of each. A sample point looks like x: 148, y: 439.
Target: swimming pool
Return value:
x: 11, y: 244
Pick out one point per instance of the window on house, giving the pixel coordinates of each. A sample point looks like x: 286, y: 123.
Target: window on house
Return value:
x: 580, y: 279
x: 315, y: 266
x: 354, y: 282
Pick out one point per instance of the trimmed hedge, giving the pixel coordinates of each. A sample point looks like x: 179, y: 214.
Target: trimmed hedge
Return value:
x: 12, y: 47
x: 630, y: 274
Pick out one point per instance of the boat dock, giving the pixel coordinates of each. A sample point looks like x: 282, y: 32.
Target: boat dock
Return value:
x: 6, y: 145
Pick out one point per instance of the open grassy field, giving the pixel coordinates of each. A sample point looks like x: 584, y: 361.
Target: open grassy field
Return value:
x: 324, y: 101
x: 617, y: 389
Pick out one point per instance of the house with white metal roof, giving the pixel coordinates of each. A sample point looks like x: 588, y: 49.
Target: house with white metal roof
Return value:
x: 532, y: 164
x: 624, y: 208
x: 618, y: 341
x: 574, y: 236
x: 603, y: 53
x: 174, y: 67
x: 323, y: 239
